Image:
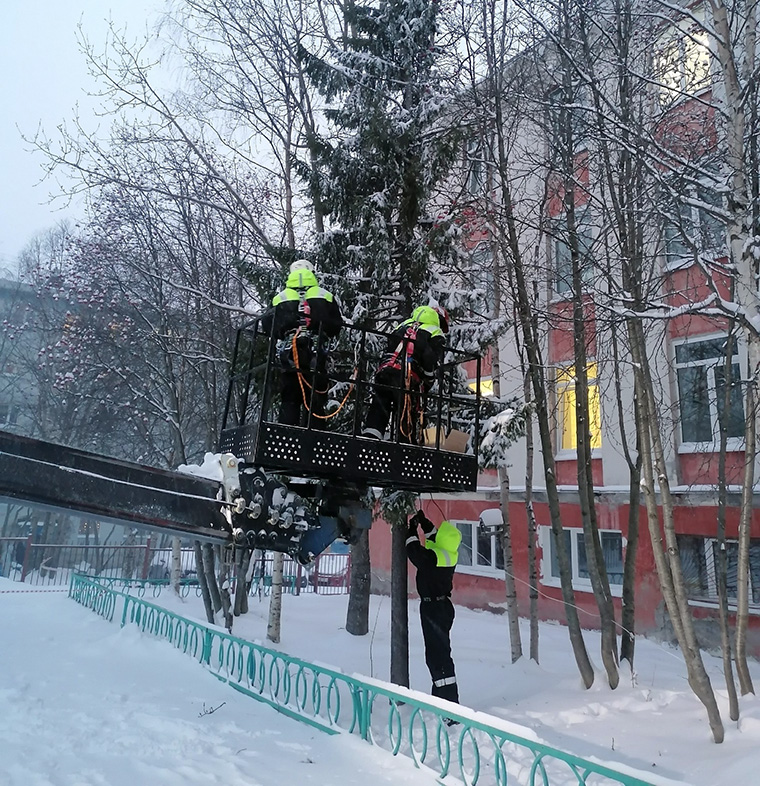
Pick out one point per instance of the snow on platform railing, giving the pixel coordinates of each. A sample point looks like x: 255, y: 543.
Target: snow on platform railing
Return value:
x: 476, y: 749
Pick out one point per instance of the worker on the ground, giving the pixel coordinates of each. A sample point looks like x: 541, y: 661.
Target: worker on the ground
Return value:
x: 407, y: 370
x: 303, y: 319
x: 435, y: 561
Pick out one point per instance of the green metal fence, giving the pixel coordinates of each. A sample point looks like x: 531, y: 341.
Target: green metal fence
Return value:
x: 477, y: 750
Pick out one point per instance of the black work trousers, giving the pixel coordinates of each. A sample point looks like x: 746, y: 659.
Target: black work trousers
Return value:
x: 437, y: 617
x: 293, y: 411
x: 391, y: 397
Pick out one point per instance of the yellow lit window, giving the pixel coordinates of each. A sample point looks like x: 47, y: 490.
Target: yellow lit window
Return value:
x: 486, y: 387
x: 566, y: 399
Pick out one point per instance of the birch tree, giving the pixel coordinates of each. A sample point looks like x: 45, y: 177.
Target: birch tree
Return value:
x: 734, y: 27
x: 513, y: 214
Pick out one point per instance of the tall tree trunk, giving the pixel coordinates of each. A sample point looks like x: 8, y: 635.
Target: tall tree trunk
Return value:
x: 275, y: 598
x: 745, y: 522
x: 176, y: 571
x: 200, y: 572
x: 724, y: 408
x: 357, y: 615
x: 399, y: 606
x: 582, y: 332
x: 667, y: 558
x: 628, y: 613
x: 532, y: 528
x: 532, y: 345
x: 735, y: 39
x: 242, y: 561
x: 209, y: 561
x: 513, y: 611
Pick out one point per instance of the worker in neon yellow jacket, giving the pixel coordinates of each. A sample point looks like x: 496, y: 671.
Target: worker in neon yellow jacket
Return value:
x: 435, y: 561
x: 302, y: 318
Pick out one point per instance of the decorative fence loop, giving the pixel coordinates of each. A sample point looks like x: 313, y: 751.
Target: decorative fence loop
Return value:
x: 476, y: 752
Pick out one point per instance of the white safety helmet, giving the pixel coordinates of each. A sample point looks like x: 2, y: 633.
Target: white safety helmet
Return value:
x: 301, y: 264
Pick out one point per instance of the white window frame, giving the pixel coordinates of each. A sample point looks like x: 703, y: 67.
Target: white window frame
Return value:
x: 580, y: 584
x: 563, y: 411
x: 555, y: 99
x: 677, y: 62
x: 10, y: 416
x: 478, y: 570
x: 711, y: 601
x: 476, y: 168
x: 710, y: 446
x: 692, y: 212
x: 481, y: 273
x: 584, y: 227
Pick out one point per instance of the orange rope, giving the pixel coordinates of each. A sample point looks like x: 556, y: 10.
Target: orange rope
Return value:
x: 304, y: 383
x: 406, y: 414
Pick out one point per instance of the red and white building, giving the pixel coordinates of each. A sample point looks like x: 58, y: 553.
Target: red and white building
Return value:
x: 689, y: 356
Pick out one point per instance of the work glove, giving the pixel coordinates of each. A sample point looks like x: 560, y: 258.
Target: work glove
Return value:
x: 411, y: 527
x: 427, y: 525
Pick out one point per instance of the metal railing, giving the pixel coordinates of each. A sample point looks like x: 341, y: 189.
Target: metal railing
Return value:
x: 51, y: 565
x: 329, y: 574
x: 478, y: 749
x: 47, y: 564
x: 12, y: 552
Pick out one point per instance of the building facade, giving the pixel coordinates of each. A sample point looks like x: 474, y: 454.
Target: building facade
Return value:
x: 698, y: 360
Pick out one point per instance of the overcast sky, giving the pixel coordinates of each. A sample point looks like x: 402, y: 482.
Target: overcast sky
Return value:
x: 43, y: 76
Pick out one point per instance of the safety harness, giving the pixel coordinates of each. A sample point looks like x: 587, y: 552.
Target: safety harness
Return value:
x: 304, y: 383
x: 401, y: 359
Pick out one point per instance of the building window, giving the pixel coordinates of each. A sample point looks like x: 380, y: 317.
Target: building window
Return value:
x: 575, y: 544
x: 682, y: 63
x: 562, y: 258
x: 481, y: 274
x: 701, y: 377
x: 481, y: 546
x: 574, y: 110
x: 8, y: 415
x: 566, y: 397
x: 691, y: 224
x: 476, y: 169
x: 486, y: 386
x: 699, y: 561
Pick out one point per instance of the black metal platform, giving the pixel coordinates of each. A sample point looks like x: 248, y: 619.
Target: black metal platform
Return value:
x: 339, y: 454
x: 323, y: 454
x: 62, y: 477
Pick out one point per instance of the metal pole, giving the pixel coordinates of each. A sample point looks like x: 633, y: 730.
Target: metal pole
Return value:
x: 248, y: 375
x: 266, y: 395
x: 27, y: 552
x: 359, y: 384
x: 476, y: 435
x: 231, y: 384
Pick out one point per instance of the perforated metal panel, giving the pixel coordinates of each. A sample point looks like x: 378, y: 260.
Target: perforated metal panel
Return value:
x: 458, y: 470
x: 374, y: 457
x: 344, y: 458
x: 281, y: 446
x: 329, y: 452
x: 240, y: 441
x: 418, y: 465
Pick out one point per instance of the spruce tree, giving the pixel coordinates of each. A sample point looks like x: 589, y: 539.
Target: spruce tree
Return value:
x: 390, y: 140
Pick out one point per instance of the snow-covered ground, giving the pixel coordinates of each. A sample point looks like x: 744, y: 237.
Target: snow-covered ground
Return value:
x: 84, y: 703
